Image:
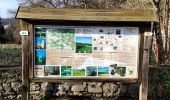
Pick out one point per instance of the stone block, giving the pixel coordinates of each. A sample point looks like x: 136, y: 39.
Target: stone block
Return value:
x: 15, y: 86
x: 47, y: 86
x: 7, y: 86
x: 34, y: 87
x: 109, y: 89
x: 95, y: 88
x: 78, y: 87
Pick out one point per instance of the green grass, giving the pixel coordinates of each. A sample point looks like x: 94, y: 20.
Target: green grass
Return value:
x: 10, y: 57
x: 103, y: 74
x: 83, y: 48
x: 79, y: 73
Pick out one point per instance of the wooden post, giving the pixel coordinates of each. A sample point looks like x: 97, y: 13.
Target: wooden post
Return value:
x: 145, y: 67
x: 27, y: 60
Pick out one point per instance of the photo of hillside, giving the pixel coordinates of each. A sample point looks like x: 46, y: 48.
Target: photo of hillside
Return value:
x: 103, y: 71
x: 79, y: 71
x: 83, y: 44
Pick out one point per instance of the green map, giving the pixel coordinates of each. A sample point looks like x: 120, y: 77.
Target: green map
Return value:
x: 60, y: 39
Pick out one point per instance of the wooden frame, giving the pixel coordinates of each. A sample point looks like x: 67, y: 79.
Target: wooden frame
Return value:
x: 29, y: 17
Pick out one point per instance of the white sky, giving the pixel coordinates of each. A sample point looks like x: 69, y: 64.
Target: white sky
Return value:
x: 6, y: 5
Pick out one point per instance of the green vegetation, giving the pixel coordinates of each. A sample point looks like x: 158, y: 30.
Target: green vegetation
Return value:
x: 167, y: 81
x: 103, y: 74
x: 91, y: 71
x: 40, y: 32
x: 65, y: 70
x: 10, y: 54
x: 79, y: 72
x: 120, y: 70
x: 83, y: 48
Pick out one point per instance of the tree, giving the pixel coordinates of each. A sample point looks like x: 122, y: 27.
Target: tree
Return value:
x: 2, y: 31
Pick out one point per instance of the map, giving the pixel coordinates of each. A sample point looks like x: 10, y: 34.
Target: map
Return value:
x: 60, y: 39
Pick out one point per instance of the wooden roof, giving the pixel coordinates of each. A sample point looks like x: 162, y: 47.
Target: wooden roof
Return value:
x: 133, y: 15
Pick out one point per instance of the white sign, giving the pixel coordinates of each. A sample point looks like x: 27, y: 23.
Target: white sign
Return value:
x: 148, y: 33
x: 23, y: 32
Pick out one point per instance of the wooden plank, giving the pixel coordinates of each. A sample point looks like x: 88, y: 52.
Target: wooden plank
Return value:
x: 83, y: 80
x: 25, y: 62
x: 145, y: 69
x: 141, y: 36
x: 30, y: 55
x: 145, y: 15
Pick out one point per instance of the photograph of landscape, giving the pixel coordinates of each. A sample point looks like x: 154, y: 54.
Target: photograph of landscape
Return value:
x: 83, y: 44
x: 40, y: 32
x: 78, y: 71
x: 40, y: 57
x: 51, y: 70
x: 103, y: 71
x: 91, y: 71
x: 40, y: 43
x: 66, y: 71
x: 120, y: 71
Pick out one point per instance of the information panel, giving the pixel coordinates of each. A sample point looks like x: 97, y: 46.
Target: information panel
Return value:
x: 73, y: 51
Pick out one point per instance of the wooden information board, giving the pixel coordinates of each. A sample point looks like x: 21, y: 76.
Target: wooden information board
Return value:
x: 86, y: 52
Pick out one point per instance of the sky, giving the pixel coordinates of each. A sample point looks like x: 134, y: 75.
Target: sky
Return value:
x: 41, y: 53
x: 84, y: 40
x: 6, y: 5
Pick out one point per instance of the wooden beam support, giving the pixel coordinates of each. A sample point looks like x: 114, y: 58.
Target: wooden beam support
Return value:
x: 27, y: 60
x: 145, y: 67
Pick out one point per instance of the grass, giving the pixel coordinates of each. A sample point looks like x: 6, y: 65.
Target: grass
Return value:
x: 79, y: 73
x: 10, y: 46
x: 103, y: 74
x: 83, y: 48
x: 10, y: 54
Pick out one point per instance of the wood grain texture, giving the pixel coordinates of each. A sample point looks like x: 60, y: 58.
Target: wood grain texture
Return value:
x: 25, y: 61
x: 145, y: 69
x: 133, y: 15
x: 66, y: 79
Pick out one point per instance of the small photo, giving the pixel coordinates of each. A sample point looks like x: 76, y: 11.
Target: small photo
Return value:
x: 40, y: 32
x: 118, y: 31
x: 40, y: 57
x: 39, y: 71
x: 120, y: 71
x: 40, y: 43
x: 83, y: 44
x: 51, y: 70
x: 91, y: 71
x: 103, y: 71
x: 66, y: 71
x: 78, y: 71
x: 131, y: 71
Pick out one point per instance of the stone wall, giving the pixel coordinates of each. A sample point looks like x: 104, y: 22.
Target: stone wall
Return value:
x: 11, y: 88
